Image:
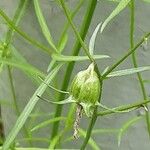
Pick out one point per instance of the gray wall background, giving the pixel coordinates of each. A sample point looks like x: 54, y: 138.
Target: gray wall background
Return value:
x: 114, y: 42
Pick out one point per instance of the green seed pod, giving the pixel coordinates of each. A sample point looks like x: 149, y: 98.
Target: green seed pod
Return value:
x: 85, y: 89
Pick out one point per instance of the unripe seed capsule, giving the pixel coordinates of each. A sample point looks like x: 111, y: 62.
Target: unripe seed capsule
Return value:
x: 85, y: 89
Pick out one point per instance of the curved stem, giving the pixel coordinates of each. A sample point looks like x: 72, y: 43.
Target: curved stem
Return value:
x: 83, y: 31
x: 135, y: 62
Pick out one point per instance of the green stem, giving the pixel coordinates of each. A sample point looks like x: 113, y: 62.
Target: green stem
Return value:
x: 123, y: 108
x: 67, y: 13
x: 24, y: 35
x: 26, y: 133
x: 67, y: 24
x: 135, y: 61
x: 130, y: 51
x: 92, y: 123
x: 18, y: 14
x: 13, y: 91
x: 83, y: 31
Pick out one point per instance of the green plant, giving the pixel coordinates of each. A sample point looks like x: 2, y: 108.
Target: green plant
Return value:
x: 86, y: 96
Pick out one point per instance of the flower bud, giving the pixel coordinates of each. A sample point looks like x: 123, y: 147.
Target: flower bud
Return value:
x: 85, y: 89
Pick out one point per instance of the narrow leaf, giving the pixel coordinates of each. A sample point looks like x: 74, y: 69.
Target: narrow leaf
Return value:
x: 113, y: 109
x: 92, y: 40
x: 22, y: 66
x: 47, y: 122
x: 105, y: 131
x: 23, y: 34
x: 128, y: 71
x: 62, y: 43
x: 76, y: 58
x: 51, y: 65
x: 43, y: 24
x: 34, y: 78
x: 122, y: 4
x: 105, y: 70
x: 126, y: 126
x: 66, y: 101
x: 28, y: 109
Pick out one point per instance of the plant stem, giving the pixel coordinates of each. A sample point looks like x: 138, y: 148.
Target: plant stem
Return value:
x: 94, y: 117
x: 24, y: 35
x: 92, y: 122
x: 135, y: 62
x: 123, y: 108
x: 83, y: 31
x: 17, y: 17
x: 130, y: 51
x: 13, y: 91
x: 15, y: 101
x: 67, y: 24
x: 18, y: 14
x: 67, y: 13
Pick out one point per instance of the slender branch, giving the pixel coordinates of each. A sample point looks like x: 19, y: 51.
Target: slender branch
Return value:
x: 15, y: 101
x: 83, y: 31
x: 135, y: 62
x: 123, y: 108
x: 24, y: 35
x: 67, y: 13
x: 18, y: 14
x: 92, y: 123
x: 94, y: 117
x: 130, y: 51
x: 67, y: 24
x: 13, y: 91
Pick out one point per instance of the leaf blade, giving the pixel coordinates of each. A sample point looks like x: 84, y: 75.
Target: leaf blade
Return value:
x: 28, y: 108
x: 43, y: 24
x: 47, y: 122
x: 76, y: 58
x: 122, y: 4
x: 93, y: 38
x: 128, y: 71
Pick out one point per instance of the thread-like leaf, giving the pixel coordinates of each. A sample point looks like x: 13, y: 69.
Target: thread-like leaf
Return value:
x: 23, y: 66
x: 43, y: 25
x: 113, y: 109
x: 62, y: 43
x: 105, y: 131
x: 28, y: 108
x: 92, y: 40
x: 66, y: 101
x: 126, y: 126
x: 122, y: 4
x: 47, y: 122
x: 23, y: 34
